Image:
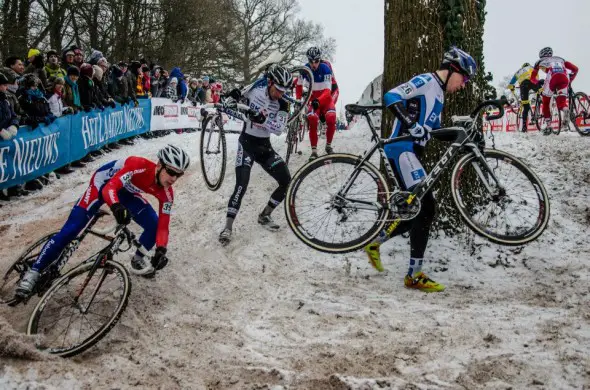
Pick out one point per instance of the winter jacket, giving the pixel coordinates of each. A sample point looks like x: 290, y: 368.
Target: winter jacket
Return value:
x: 71, y: 95
x: 13, y: 100
x: 88, y: 98
x: 7, y: 115
x: 38, y: 69
x: 36, y: 108
x: 193, y: 95
x: 102, y: 94
x: 54, y: 72
x: 56, y: 105
x: 117, y: 85
x: 170, y: 93
x: 131, y: 85
x: 181, y: 88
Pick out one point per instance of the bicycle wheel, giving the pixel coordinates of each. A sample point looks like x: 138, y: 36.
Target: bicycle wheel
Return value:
x: 75, y: 313
x: 298, y: 72
x: 555, y: 117
x: 213, y: 152
x: 580, y: 113
x: 20, y: 266
x: 291, y: 140
x: 328, y: 220
x: 518, y: 211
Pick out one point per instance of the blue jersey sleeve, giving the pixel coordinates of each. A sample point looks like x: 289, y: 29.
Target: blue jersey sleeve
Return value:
x: 406, y: 91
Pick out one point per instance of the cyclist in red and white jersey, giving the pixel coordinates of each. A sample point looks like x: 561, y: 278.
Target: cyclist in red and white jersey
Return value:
x: 120, y: 184
x: 323, y: 99
x: 556, y: 82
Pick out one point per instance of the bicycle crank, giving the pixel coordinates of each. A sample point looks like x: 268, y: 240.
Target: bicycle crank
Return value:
x: 404, y: 205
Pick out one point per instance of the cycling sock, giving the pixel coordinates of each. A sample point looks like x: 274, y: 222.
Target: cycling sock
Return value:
x: 415, y: 266
x: 229, y: 222
x: 267, y: 210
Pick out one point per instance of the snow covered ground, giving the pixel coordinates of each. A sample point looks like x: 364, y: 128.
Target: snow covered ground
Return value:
x: 267, y: 312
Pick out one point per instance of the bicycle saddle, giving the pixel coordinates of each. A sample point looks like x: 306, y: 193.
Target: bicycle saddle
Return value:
x: 357, y: 109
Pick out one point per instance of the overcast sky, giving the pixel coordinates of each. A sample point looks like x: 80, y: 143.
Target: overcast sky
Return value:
x: 357, y: 27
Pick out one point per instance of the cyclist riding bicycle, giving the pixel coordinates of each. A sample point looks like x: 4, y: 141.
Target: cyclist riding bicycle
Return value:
x: 417, y: 107
x: 119, y: 184
x: 523, y: 78
x: 323, y: 99
x: 270, y: 113
x: 556, y: 82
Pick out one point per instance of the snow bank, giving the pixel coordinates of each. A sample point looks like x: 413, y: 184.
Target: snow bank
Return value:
x: 268, y: 312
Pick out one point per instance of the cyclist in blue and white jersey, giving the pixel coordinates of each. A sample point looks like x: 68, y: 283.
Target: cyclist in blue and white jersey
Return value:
x: 417, y: 106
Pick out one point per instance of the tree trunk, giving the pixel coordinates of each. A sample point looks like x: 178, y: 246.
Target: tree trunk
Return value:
x: 416, y: 35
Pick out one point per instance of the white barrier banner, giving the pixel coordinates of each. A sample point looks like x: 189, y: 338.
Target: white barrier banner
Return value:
x: 167, y: 115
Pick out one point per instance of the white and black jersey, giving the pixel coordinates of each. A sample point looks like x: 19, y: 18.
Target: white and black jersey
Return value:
x: 275, y: 111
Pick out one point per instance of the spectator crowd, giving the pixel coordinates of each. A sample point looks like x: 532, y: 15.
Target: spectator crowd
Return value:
x: 44, y: 86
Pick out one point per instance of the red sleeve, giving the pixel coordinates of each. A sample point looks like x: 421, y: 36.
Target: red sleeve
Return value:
x: 298, y: 91
x: 534, y: 75
x: 166, y: 199
x: 572, y: 68
x: 110, y: 190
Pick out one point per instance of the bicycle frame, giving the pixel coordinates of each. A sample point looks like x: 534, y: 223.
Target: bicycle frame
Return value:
x: 463, y: 140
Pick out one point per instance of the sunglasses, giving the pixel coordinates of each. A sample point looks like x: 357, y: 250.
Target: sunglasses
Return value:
x: 315, y: 61
x: 172, y: 172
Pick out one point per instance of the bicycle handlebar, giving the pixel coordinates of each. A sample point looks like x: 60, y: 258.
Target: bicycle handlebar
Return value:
x: 499, y: 104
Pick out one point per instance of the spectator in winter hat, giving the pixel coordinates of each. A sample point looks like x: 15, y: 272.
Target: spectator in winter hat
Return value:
x: 88, y: 98
x: 33, y: 103
x: 193, y: 91
x: 67, y: 60
x: 100, y: 88
x: 37, y: 68
x: 33, y: 53
x: 155, y: 81
x: 11, y: 93
x: 171, y: 89
x: 53, y: 68
x: 71, y: 94
x: 117, y: 87
x: 95, y: 56
x: 8, y: 118
x: 206, y: 94
x: 56, y: 104
x: 78, y: 56
x: 182, y: 88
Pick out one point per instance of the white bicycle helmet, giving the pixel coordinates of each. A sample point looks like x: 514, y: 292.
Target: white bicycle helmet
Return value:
x: 546, y: 52
x: 280, y: 76
x: 174, y: 157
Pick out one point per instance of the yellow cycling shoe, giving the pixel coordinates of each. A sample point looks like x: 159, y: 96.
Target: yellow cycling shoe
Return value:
x: 422, y: 282
x: 372, y: 250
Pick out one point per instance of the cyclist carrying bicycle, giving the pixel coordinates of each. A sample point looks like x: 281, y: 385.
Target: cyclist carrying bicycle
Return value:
x: 523, y: 78
x: 270, y: 113
x: 323, y: 99
x: 556, y: 82
x: 417, y: 107
x: 119, y: 184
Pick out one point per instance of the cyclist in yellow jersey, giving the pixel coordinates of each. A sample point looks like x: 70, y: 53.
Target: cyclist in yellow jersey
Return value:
x: 523, y: 78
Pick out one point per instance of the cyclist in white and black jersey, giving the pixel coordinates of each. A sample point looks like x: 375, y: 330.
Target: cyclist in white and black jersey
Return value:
x: 265, y: 98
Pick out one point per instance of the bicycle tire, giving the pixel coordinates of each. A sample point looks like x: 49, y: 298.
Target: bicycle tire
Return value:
x: 210, y: 182
x: 309, y: 74
x: 294, y: 215
x: 15, y: 272
x: 291, y: 141
x: 581, y: 97
x: 123, y: 275
x: 554, y: 110
x: 537, y: 187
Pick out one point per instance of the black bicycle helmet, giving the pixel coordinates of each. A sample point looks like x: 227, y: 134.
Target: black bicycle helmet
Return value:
x: 314, y: 54
x: 546, y: 52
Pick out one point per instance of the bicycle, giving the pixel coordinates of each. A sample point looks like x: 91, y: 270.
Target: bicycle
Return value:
x: 28, y: 257
x: 555, y: 116
x: 84, y: 293
x: 213, y: 152
x: 339, y: 203
x: 579, y: 105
